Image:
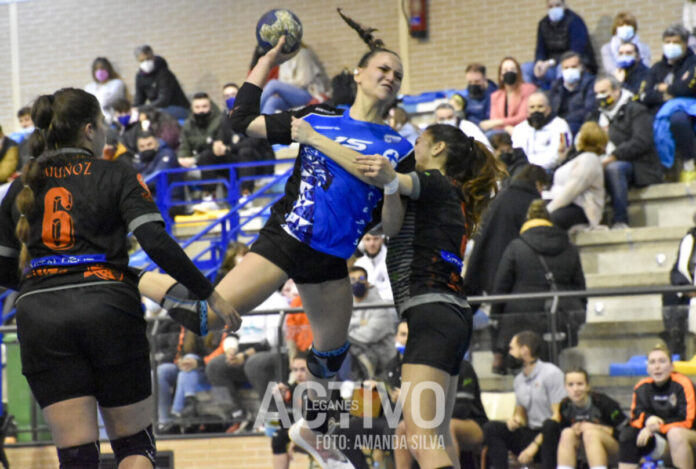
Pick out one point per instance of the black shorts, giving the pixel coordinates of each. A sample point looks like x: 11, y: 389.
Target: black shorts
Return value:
x: 85, y: 341
x: 301, y: 262
x: 438, y: 335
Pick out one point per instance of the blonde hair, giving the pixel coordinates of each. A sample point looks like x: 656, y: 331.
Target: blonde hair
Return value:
x: 592, y: 138
x: 537, y: 209
x: 661, y: 347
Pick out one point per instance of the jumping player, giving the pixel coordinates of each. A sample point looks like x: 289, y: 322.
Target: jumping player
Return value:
x: 325, y: 211
x: 63, y: 244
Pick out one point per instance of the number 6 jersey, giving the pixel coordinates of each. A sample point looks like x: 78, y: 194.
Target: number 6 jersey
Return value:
x: 83, y: 210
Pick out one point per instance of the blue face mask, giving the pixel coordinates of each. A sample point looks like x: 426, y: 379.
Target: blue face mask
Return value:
x: 672, y: 51
x: 400, y: 348
x: 359, y: 289
x: 556, y: 14
x: 625, y: 61
x: 230, y: 102
x: 124, y: 120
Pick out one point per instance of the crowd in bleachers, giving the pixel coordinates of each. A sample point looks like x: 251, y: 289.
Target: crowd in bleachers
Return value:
x: 573, y: 131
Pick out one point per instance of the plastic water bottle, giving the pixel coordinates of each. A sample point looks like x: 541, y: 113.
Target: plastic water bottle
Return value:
x: 648, y: 463
x: 660, y: 464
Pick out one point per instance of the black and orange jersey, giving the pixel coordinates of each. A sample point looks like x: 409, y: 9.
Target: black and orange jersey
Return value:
x: 82, y: 214
x: 600, y: 409
x: 674, y: 402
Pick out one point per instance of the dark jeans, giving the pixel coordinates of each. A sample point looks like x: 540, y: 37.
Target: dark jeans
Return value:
x: 177, y: 112
x: 499, y: 440
x: 618, y: 175
x: 682, y: 128
x: 567, y: 216
x: 263, y: 367
x: 224, y: 379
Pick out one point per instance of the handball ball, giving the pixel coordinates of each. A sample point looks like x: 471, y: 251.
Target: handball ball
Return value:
x: 276, y: 23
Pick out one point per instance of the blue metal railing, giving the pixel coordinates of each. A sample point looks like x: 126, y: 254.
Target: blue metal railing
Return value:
x: 232, y: 225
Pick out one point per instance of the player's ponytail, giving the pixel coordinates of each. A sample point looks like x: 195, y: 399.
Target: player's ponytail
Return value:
x: 472, y: 168
x: 375, y: 44
x: 59, y: 120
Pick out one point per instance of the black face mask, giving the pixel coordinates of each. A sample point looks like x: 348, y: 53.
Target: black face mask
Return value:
x: 359, y: 289
x: 475, y: 91
x: 510, y: 78
x: 201, y: 118
x: 147, y: 155
x: 537, y: 119
x: 605, y: 101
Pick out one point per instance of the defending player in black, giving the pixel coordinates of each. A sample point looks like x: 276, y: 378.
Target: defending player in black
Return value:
x: 63, y: 245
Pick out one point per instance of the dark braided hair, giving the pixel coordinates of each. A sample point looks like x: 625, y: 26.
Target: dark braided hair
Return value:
x: 59, y: 120
x: 375, y: 44
x: 471, y: 167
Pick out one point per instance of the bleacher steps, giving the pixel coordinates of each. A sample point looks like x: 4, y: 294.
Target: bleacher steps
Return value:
x: 663, y: 205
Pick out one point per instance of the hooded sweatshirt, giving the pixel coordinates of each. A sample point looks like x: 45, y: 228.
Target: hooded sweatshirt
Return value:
x: 160, y: 88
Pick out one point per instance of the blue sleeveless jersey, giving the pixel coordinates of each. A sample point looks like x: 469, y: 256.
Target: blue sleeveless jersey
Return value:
x: 332, y: 208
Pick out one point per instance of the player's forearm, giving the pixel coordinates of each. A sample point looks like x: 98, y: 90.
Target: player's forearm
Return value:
x: 344, y: 156
x: 260, y: 72
x: 393, y: 212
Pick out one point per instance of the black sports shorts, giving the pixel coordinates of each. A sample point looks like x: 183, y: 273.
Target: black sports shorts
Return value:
x: 85, y: 341
x: 301, y: 262
x: 438, y: 335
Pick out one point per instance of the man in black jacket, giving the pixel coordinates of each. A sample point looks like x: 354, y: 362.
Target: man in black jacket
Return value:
x: 632, y: 159
x: 674, y: 77
x: 156, y: 85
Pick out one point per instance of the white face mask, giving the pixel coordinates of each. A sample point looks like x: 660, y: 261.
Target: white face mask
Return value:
x: 625, y: 32
x: 556, y: 14
x: 147, y: 66
x: 571, y: 75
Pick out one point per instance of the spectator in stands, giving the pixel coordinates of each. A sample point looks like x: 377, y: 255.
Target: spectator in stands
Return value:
x: 128, y: 124
x: 196, y: 148
x: 232, y: 147
x: 663, y: 409
x: 371, y: 330
x: 300, y: 80
x: 444, y: 114
x: 469, y: 416
x: 631, y: 157
x: 562, y: 30
x: 400, y: 121
x: 589, y: 420
x: 624, y: 30
x: 9, y: 158
x: 343, y: 90
x: 501, y: 224
x: 374, y: 262
x: 514, y: 158
x: 539, y: 390
x: 672, y: 77
x: 183, y: 377
x: 229, y: 94
x: 630, y: 71
x: 543, y: 137
x: 577, y: 192
x: 157, y: 86
x: 675, y: 310
x: 107, y: 86
x: 21, y: 137
x: 572, y: 96
x: 478, y: 93
x: 153, y: 157
x: 281, y: 446
x: 509, y: 101
x: 542, y: 248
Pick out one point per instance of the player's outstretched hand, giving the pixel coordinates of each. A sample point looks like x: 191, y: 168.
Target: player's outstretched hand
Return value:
x: 225, y: 311
x: 276, y: 57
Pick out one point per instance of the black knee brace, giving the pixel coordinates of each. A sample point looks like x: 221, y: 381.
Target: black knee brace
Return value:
x: 184, y: 308
x: 79, y: 457
x: 326, y: 364
x: 141, y: 443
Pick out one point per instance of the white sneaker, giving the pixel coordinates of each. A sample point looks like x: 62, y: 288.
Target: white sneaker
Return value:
x: 313, y: 443
x: 208, y: 205
x: 620, y: 226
